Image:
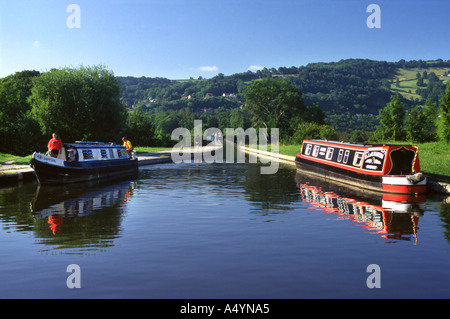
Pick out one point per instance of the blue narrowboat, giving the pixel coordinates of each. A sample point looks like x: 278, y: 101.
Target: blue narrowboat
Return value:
x: 84, y: 161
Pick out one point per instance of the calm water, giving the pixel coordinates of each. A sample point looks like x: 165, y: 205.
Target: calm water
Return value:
x: 219, y: 231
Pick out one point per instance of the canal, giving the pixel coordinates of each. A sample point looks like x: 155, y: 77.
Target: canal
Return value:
x: 198, y: 230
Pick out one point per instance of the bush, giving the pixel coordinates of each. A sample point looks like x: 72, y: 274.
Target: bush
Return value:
x: 444, y: 117
x: 311, y: 130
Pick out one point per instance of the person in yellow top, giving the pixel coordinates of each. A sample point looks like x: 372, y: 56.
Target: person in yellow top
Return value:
x: 128, y: 145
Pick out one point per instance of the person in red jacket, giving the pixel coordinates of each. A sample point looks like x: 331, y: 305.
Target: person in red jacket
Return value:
x: 54, y: 145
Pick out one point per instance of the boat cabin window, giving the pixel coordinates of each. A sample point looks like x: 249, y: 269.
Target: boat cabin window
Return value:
x: 103, y: 154
x: 121, y: 153
x: 308, y: 149
x: 316, y: 150
x: 87, y: 154
x: 346, y: 154
x: 111, y: 153
x: 340, y: 154
x: 330, y: 152
x: 358, y: 158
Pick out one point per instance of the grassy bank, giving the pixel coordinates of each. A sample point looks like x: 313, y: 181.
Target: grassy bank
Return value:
x: 435, y: 160
x: 14, y: 159
x: 144, y: 149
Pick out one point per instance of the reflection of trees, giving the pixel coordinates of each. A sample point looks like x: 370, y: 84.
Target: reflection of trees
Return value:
x: 15, y: 207
x: 444, y: 213
x: 240, y: 180
x: 209, y: 179
x: 271, y: 193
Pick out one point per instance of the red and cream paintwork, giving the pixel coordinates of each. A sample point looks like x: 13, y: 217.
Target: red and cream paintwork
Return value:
x: 382, y: 167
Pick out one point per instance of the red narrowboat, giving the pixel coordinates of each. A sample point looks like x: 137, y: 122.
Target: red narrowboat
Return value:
x: 386, y: 168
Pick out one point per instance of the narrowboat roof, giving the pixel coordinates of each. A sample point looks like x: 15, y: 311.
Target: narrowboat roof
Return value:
x: 89, y: 144
x: 355, y: 144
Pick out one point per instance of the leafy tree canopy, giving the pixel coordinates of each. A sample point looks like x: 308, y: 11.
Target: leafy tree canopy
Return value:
x: 79, y: 104
x: 273, y: 103
x: 391, y: 120
x: 444, y: 116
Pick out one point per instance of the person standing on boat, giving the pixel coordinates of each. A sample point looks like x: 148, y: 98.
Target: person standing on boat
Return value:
x: 54, y: 145
x: 128, y: 145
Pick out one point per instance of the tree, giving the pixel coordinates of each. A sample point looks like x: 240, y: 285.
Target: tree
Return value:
x: 420, y: 82
x: 359, y: 136
x: 19, y: 132
x: 311, y: 130
x: 443, y: 122
x: 273, y: 103
x: 139, y: 128
x: 391, y: 120
x: 79, y: 104
x: 420, y: 123
x: 239, y: 119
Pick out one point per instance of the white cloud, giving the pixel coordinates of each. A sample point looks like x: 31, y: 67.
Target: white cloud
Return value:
x: 255, y: 67
x: 207, y: 68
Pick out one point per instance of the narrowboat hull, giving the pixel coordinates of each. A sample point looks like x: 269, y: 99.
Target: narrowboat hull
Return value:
x: 51, y: 170
x: 367, y: 168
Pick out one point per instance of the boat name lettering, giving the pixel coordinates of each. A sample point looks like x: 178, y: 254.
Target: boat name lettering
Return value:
x: 377, y: 154
x: 49, y: 159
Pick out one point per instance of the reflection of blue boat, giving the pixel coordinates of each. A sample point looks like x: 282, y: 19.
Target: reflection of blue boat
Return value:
x: 79, y: 199
x: 84, y: 161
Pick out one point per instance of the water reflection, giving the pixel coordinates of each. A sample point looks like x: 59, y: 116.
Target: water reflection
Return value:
x: 394, y: 217
x: 86, y: 216
x: 272, y: 193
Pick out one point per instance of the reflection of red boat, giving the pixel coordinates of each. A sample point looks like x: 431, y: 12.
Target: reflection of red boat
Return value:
x: 391, y: 217
x: 380, y: 167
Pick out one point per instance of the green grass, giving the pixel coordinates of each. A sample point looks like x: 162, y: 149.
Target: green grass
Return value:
x: 14, y: 159
x: 290, y: 150
x: 145, y: 149
x: 435, y: 160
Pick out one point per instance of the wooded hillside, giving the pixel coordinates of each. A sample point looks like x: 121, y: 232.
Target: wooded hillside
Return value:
x: 350, y: 92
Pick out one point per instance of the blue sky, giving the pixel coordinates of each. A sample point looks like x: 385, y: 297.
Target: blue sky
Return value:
x: 179, y: 39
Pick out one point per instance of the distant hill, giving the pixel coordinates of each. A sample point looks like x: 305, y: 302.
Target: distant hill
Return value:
x: 352, y: 86
x: 417, y: 83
